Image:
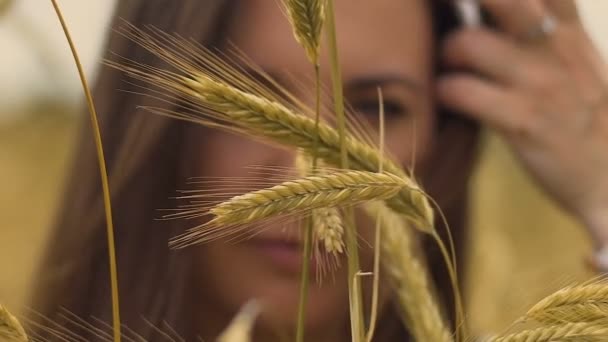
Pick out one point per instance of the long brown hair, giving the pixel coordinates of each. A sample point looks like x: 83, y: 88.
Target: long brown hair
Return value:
x: 141, y: 151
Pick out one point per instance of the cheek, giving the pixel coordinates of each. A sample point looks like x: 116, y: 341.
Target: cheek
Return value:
x: 223, y: 154
x: 411, y: 137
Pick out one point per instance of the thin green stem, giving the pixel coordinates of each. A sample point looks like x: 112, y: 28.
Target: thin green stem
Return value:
x: 317, y: 115
x: 376, y: 274
x: 451, y: 263
x: 336, y: 78
x: 456, y: 288
x: 354, y: 289
x: 304, y: 280
x: 104, y: 178
x: 308, y: 243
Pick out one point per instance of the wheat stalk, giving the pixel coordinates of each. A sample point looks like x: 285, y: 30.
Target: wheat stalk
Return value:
x: 103, y: 178
x: 595, y: 331
x: 409, y: 277
x: 306, y: 18
x: 10, y: 328
x: 572, y: 304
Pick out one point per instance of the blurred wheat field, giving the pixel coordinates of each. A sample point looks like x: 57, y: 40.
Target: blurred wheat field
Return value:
x: 523, y: 247
x: 33, y: 158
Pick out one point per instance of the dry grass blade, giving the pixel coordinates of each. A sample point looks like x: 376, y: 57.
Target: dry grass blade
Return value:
x: 306, y: 18
x: 10, y: 328
x: 241, y: 326
x: 409, y: 278
x: 582, y: 303
x: 103, y: 177
x: 213, y: 98
x: 580, y: 332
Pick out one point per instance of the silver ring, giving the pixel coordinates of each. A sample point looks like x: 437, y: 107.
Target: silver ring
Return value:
x: 542, y: 31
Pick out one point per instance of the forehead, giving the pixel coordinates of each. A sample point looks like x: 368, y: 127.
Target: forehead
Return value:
x: 379, y: 36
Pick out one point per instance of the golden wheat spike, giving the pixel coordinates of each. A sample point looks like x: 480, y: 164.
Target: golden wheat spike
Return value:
x: 574, y: 313
x: 595, y: 331
x: 327, y: 222
x: 572, y: 304
x: 10, y: 328
x: 329, y: 229
x: 306, y: 18
x: 409, y: 277
x: 340, y: 188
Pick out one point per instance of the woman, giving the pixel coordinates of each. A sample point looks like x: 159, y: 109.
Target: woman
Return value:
x: 524, y: 79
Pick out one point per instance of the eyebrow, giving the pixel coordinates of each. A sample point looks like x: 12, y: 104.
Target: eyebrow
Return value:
x: 365, y: 82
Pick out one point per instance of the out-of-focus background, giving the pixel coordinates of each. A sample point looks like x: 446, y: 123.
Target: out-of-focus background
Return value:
x: 522, y: 246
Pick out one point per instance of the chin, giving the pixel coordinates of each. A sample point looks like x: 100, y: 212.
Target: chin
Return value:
x: 269, y: 272
x: 327, y: 304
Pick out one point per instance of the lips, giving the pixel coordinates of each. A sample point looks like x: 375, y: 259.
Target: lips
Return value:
x: 284, y: 254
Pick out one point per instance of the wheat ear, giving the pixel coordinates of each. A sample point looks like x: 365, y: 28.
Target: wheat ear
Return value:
x: 336, y: 189
x: 580, y: 303
x: 269, y: 119
x: 329, y: 229
x: 340, y: 188
x: 306, y: 18
x: 575, y: 313
x: 10, y: 328
x: 409, y: 277
x: 327, y: 222
x: 219, y: 105
x: 206, y: 85
x: 595, y: 331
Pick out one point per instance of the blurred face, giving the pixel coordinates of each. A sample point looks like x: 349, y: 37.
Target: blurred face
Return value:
x: 382, y: 43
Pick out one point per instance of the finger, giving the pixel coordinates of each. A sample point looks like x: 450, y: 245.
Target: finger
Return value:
x: 485, y: 53
x: 485, y: 101
x: 516, y: 17
x: 564, y: 10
